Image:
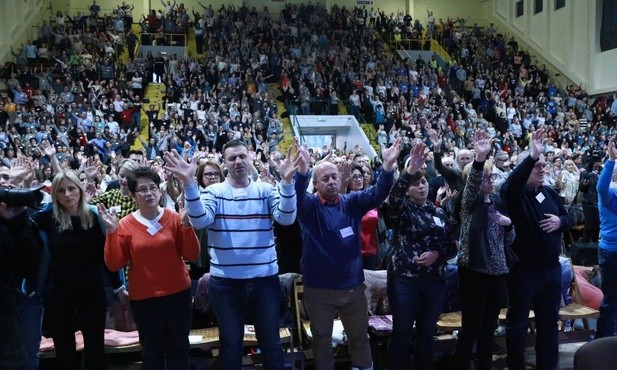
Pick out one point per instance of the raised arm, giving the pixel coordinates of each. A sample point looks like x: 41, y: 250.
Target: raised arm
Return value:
x: 200, y: 207
x: 515, y: 183
x: 417, y: 158
x: 450, y: 176
x: 50, y: 151
x: 482, y: 146
x: 604, y: 181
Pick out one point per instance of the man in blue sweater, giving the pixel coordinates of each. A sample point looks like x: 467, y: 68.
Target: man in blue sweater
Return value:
x: 331, y: 254
x: 607, y: 252
x: 534, y: 281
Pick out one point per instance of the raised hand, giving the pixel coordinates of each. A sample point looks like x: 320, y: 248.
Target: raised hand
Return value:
x: 344, y: 169
x: 287, y: 167
x: 612, y: 151
x: 441, y: 192
x: 537, y: 143
x: 482, y: 145
x: 304, y: 157
x: 266, y: 176
x: 184, y: 170
x: 91, y: 191
x: 417, y: 157
x: 91, y: 169
x: 19, y: 171
x: 48, y: 149
x: 436, y: 140
x: 390, y: 155
x: 110, y: 220
x: 184, y: 216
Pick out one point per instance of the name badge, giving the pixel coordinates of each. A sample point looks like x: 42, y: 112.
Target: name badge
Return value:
x: 154, y: 228
x: 438, y: 221
x: 540, y: 197
x: 346, y: 232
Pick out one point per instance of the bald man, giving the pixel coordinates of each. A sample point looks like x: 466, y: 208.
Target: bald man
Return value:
x: 331, y: 262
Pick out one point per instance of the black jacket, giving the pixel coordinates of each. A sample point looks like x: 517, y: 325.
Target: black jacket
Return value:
x: 535, y: 248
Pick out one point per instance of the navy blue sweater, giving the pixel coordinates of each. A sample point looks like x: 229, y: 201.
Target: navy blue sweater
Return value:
x: 331, y: 251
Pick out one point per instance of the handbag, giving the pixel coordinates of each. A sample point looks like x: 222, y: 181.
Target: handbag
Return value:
x: 576, y: 211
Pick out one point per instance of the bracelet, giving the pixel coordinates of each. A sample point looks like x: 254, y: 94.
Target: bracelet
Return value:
x: 118, y: 290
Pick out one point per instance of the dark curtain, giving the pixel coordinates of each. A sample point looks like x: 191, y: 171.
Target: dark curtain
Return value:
x: 608, y: 29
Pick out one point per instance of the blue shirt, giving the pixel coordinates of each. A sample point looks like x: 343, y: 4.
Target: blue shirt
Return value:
x: 607, y: 206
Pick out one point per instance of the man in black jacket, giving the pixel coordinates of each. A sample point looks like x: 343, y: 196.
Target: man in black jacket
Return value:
x: 17, y: 262
x: 589, y: 199
x: 534, y: 281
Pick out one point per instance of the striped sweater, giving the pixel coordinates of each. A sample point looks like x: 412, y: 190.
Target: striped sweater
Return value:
x: 239, y: 221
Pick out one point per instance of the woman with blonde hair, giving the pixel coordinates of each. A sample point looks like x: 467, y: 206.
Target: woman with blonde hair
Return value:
x: 75, y: 297
x: 567, y: 182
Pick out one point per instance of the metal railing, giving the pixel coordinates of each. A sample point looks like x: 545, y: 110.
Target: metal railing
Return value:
x: 171, y: 39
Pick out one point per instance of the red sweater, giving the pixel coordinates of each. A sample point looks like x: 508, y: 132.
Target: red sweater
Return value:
x: 157, y: 266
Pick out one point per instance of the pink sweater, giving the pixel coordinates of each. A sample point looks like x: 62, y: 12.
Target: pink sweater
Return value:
x: 157, y: 266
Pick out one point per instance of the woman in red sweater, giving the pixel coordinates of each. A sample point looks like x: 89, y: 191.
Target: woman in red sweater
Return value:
x: 155, y: 241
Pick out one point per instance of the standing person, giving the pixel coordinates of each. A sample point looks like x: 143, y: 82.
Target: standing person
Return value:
x: 368, y: 227
x: 423, y: 242
x: 131, y: 43
x: 243, y: 263
x: 567, y: 182
x: 607, y: 248
x: 75, y: 287
x: 589, y: 199
x: 331, y: 254
x: 486, y: 237
x: 120, y: 200
x: 208, y: 173
x: 19, y: 261
x: 155, y: 241
x: 534, y: 281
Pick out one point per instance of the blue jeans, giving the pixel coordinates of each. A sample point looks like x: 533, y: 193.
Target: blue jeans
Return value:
x: 164, y: 324
x: 419, y: 301
x: 608, y: 308
x: 234, y: 299
x: 539, y: 290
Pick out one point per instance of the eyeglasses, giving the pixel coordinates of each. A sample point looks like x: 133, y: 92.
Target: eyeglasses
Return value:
x: 144, y: 191
x: 357, y: 177
x: 211, y: 174
x: 492, y: 177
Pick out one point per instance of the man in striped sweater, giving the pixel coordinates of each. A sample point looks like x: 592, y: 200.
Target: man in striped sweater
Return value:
x: 238, y: 214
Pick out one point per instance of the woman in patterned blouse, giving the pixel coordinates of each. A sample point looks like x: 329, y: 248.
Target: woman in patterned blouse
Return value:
x: 486, y: 237
x: 423, y: 243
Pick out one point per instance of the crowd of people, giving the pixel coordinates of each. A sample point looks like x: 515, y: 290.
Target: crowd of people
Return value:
x: 484, y: 150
